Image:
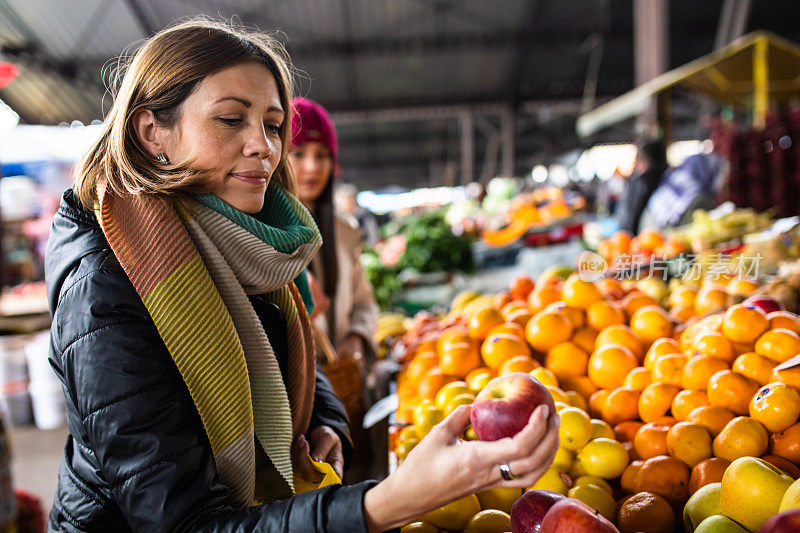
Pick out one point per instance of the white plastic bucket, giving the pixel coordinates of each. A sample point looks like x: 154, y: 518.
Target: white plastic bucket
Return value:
x: 36, y: 351
x: 17, y: 406
x: 13, y: 366
x: 49, y: 409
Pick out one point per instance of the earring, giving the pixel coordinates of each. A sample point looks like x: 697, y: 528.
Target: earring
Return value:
x: 161, y: 158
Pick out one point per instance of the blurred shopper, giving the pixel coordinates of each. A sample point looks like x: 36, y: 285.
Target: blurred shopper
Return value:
x: 691, y: 186
x: 345, y: 197
x: 180, y: 331
x: 651, y: 162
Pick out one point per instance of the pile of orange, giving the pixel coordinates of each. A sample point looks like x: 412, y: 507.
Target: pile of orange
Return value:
x: 647, y: 243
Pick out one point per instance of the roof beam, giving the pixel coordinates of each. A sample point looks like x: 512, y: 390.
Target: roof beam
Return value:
x: 142, y: 17
x: 521, y: 54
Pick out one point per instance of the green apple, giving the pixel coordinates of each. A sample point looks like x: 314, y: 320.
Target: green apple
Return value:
x: 719, y: 524
x: 791, y: 498
x: 703, y: 503
x: 752, y: 490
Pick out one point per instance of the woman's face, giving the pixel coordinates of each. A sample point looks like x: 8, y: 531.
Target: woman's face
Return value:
x: 231, y: 125
x: 312, y: 164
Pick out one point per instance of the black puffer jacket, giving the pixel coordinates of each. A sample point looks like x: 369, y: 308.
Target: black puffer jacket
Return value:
x: 137, y: 457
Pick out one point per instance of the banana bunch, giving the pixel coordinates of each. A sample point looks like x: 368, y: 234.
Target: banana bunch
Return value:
x: 390, y: 325
x: 467, y: 303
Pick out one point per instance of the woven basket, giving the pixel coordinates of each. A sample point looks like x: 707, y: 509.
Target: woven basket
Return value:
x: 345, y: 374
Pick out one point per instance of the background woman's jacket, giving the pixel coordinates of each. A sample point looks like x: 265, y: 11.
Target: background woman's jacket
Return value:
x: 137, y: 457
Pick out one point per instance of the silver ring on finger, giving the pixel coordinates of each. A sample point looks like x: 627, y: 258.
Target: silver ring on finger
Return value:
x: 505, y: 471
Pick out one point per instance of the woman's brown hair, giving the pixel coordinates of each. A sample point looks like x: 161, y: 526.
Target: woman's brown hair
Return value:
x: 159, y: 77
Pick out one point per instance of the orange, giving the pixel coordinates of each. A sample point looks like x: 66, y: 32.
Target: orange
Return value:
x: 687, y: 401
x: 744, y: 323
x: 566, y: 360
x: 755, y: 367
x: 650, y: 323
x: 681, y: 314
x: 483, y: 321
x: 609, y: 365
x: 666, y: 476
x: 707, y: 471
x: 786, y: 444
x: 656, y: 400
x: 783, y: 464
x: 683, y: 296
x: 732, y: 390
x: 742, y: 287
x: 621, y: 240
x: 626, y: 431
x: 610, y: 288
x: 628, y: 479
x: 478, y: 378
x: 543, y: 296
x: 713, y: 417
x: 546, y: 329
x: 434, y: 380
x: 581, y: 384
x: 579, y: 293
x: 620, y: 334
x: 660, y: 347
x: 577, y: 317
x: 596, y: 403
x: 790, y: 376
x: 784, y: 320
x: 520, y: 287
x: 669, y: 369
x: 635, y: 301
x: 650, y: 238
x: 778, y: 344
x: 638, y: 378
x: 710, y: 298
x: 646, y: 511
x: 509, y: 327
x: 500, y: 300
x: 698, y: 371
x: 651, y: 440
x: 459, y: 356
x: 701, y: 326
x: 603, y: 313
x: 518, y: 363
x: 621, y: 405
x: 689, y: 442
x: 741, y: 437
x: 516, y: 312
x: 450, y: 334
x: 585, y: 338
x: 776, y: 406
x: 419, y: 366
x: 499, y: 347
x: 715, y: 345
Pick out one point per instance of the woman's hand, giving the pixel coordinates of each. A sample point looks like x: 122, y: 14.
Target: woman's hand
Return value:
x: 325, y: 446
x: 443, y: 468
x: 353, y: 345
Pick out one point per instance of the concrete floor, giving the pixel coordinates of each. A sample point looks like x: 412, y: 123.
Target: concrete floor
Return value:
x: 35, y: 456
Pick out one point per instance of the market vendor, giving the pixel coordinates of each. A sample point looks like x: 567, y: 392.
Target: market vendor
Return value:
x: 175, y: 273
x: 651, y: 162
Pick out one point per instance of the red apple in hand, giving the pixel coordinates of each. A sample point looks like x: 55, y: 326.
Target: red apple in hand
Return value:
x: 785, y: 522
x: 573, y: 516
x: 505, y: 404
x: 530, y: 509
x: 767, y: 304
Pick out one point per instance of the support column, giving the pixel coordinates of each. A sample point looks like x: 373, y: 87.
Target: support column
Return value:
x: 467, y: 146
x: 760, y: 83
x: 651, y: 54
x: 508, y: 140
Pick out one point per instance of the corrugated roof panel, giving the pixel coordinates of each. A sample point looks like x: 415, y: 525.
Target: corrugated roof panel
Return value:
x: 322, y: 80
x: 115, y: 28
x: 57, y: 25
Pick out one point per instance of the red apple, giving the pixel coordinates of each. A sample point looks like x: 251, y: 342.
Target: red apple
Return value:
x: 785, y: 522
x: 768, y: 304
x: 573, y: 516
x: 505, y: 404
x: 529, y: 510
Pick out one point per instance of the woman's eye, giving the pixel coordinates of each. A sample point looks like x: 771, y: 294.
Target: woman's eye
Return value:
x: 272, y: 128
x: 230, y: 121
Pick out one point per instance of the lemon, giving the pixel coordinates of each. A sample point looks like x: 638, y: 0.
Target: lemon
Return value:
x: 575, y: 429
x: 554, y: 480
x: 545, y: 376
x: 469, y: 434
x: 597, y: 498
x: 576, y: 400
x: 601, y: 429
x: 426, y: 418
x: 560, y: 406
x: 454, y: 515
x: 593, y: 480
x: 419, y: 527
x: 489, y: 521
x: 563, y: 459
x: 450, y: 391
x: 500, y: 499
x: 558, y: 394
x: 408, y: 433
x: 605, y: 458
x: 461, y: 399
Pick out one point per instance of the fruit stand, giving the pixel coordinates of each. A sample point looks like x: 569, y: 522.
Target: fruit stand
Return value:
x: 678, y: 401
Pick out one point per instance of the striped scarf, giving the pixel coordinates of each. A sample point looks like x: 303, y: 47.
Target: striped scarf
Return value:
x: 193, y: 261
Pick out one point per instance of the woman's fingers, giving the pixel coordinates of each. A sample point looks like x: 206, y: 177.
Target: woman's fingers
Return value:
x: 523, y: 443
x: 302, y: 461
x: 453, y: 426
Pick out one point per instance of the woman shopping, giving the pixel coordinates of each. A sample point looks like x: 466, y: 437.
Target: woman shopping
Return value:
x: 175, y: 273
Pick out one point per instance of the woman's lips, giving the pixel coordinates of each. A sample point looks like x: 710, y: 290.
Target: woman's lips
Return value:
x: 253, y: 177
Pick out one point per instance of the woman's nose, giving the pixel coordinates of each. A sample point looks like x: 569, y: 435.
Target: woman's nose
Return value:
x: 257, y: 143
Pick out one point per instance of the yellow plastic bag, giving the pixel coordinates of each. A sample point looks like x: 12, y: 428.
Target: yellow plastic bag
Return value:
x: 329, y: 478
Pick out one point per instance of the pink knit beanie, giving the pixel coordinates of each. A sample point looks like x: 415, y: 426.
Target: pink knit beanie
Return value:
x: 311, y: 123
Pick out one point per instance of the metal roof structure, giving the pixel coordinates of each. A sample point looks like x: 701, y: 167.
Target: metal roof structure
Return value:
x: 402, y: 78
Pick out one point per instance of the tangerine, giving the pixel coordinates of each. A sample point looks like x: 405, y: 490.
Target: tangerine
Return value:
x: 687, y: 401
x: 545, y: 330
x: 603, y: 313
x: 622, y: 335
x: 698, y: 370
x: 520, y: 287
x: 715, y: 345
x: 669, y: 369
x: 786, y: 443
x: 783, y: 464
x: 621, y: 405
x: 755, y: 367
x: 431, y: 382
x: 651, y: 440
x: 778, y: 344
x: 581, y: 384
x: 627, y: 480
x: 710, y: 298
x: 543, y: 296
x: 484, y: 321
x: 566, y: 360
x: 666, y: 476
x: 419, y: 366
x: 790, y: 376
x: 611, y: 289
x: 626, y: 431
x: 683, y: 296
x: 459, y: 356
x: 681, y: 314
x: 741, y: 437
x: 689, y: 442
x: 577, y: 317
x: 665, y: 346
x: 518, y: 363
x: 656, y: 400
x: 499, y: 347
x: 580, y: 293
x: 646, y: 512
x: 508, y: 327
x: 651, y: 323
x: 744, y: 323
x: 516, y: 311
x: 784, y: 320
x: 707, y: 471
x: 500, y: 300
x: 638, y: 379
x: 742, y: 287
x: 730, y: 389
x: 585, y: 338
x: 596, y: 403
x: 712, y: 417
x: 609, y: 365
x: 776, y: 406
